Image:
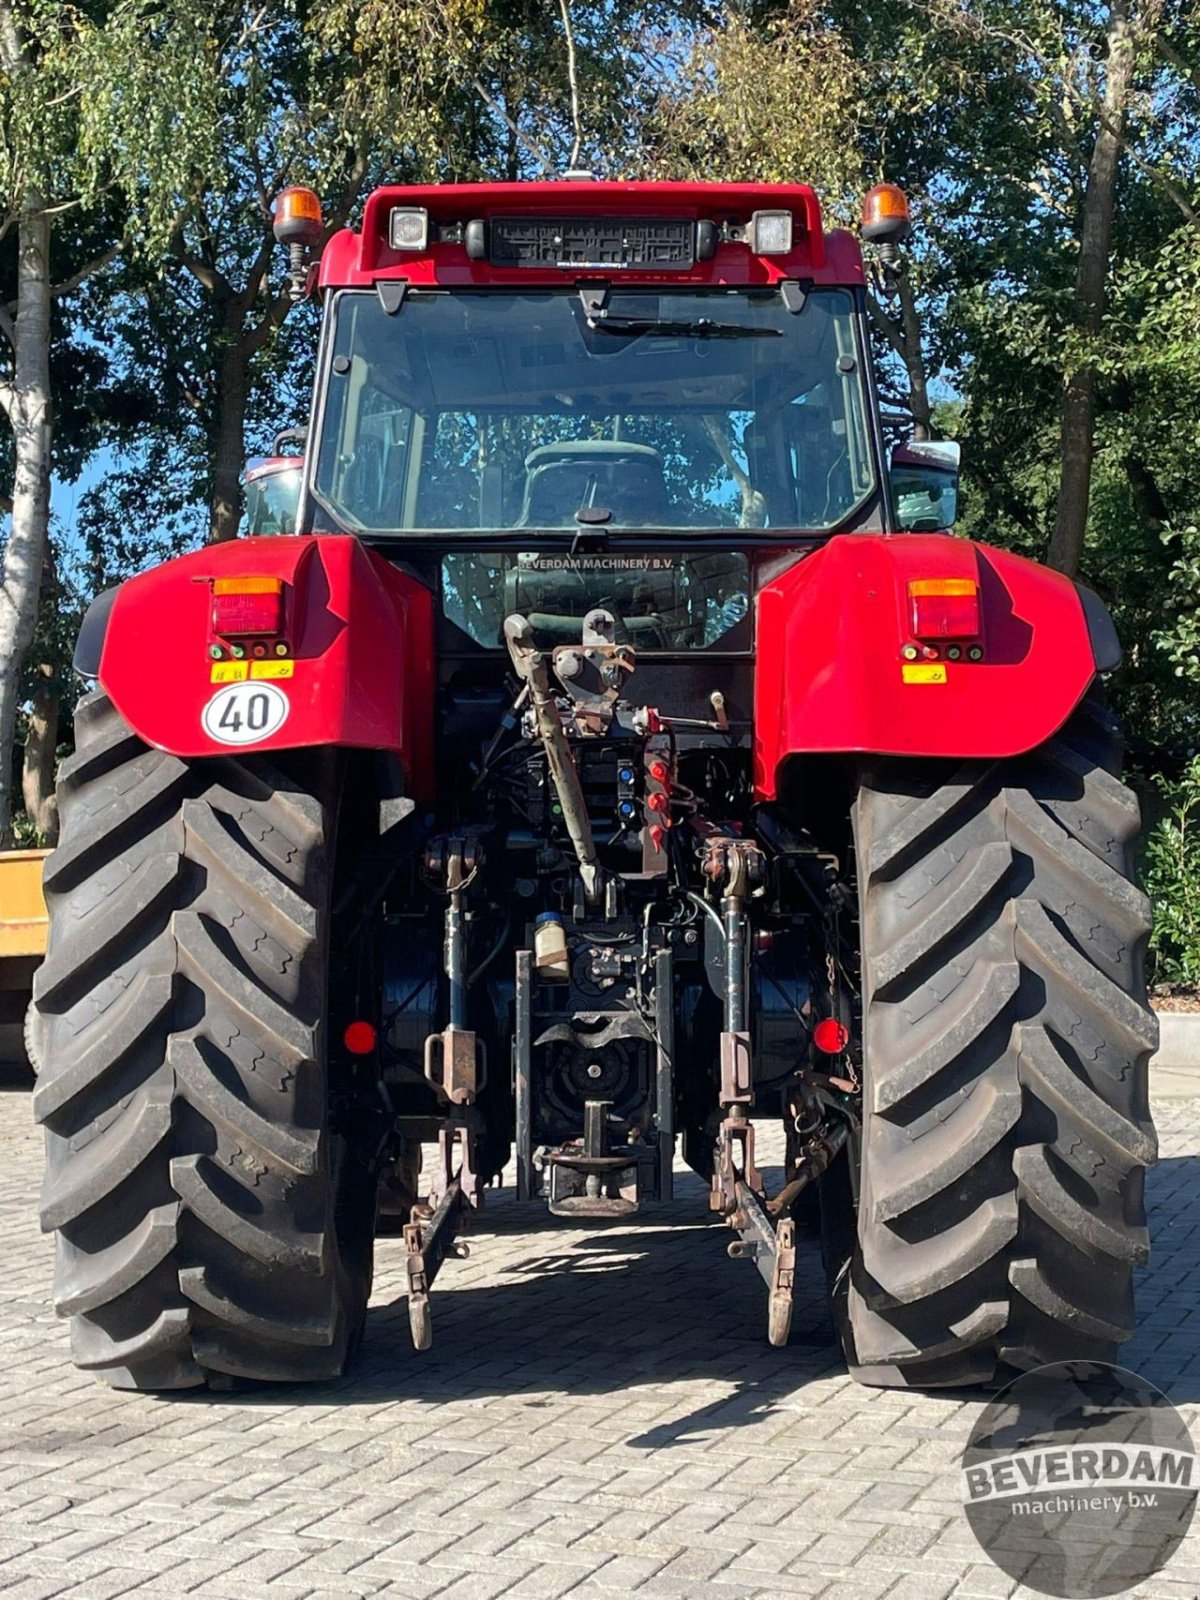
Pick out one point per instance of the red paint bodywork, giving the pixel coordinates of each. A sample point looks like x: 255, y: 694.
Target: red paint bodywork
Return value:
x: 828, y: 673
x: 355, y: 260
x: 830, y: 626
x: 360, y: 633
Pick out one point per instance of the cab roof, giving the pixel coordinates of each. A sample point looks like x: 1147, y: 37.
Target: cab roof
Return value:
x: 358, y: 259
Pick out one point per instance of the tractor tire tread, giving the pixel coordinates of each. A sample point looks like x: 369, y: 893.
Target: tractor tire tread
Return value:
x: 181, y: 1012
x: 1006, y: 1035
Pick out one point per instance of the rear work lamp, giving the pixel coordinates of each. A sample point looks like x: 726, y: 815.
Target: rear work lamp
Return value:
x: 408, y: 228
x: 770, y: 233
x: 242, y: 606
x: 944, y: 608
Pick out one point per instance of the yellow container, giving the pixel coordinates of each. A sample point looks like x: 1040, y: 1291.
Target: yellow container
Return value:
x: 22, y: 905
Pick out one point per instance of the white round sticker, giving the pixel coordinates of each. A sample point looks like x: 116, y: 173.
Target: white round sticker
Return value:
x: 244, y: 713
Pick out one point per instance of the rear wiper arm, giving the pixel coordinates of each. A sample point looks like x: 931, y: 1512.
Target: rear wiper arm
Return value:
x: 702, y: 328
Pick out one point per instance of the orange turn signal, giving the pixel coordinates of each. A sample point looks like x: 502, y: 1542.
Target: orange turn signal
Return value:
x: 923, y: 586
x: 944, y: 608
x: 247, y: 585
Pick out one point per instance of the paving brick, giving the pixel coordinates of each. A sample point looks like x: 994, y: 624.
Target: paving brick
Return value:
x: 921, y: 1586
x: 986, y: 1583
x: 35, y: 1588
x: 599, y: 1418
x: 857, y: 1587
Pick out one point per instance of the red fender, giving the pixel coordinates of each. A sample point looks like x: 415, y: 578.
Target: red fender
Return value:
x: 830, y: 670
x: 359, y: 667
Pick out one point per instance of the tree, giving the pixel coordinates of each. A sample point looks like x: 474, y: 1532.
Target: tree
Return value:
x: 211, y: 333
x: 512, y: 78
x: 1095, y: 240
x: 780, y: 102
x: 1104, y: 118
x: 93, y: 110
x: 283, y: 117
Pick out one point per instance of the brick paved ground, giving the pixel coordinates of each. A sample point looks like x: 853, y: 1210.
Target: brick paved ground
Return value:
x: 600, y: 1417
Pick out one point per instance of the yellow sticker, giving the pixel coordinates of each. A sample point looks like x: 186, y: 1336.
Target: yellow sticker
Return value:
x: 229, y: 671
x: 923, y: 673
x: 272, y: 669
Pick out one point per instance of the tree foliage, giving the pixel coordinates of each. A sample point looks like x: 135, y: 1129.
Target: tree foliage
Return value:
x: 1173, y: 880
x: 781, y: 102
x: 107, y: 101
x: 102, y: 118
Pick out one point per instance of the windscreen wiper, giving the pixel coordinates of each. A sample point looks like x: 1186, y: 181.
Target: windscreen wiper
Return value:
x: 702, y: 328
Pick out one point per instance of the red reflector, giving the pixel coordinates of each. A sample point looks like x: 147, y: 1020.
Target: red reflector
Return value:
x: 247, y: 605
x: 944, y: 608
x: 831, y: 1036
x: 360, y: 1038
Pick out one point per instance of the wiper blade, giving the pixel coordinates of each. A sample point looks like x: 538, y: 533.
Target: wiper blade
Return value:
x: 702, y: 328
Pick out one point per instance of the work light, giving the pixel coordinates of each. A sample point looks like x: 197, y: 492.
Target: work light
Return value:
x: 771, y: 233
x: 409, y: 229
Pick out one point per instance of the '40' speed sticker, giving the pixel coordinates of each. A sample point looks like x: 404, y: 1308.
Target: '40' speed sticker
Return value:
x: 245, y: 713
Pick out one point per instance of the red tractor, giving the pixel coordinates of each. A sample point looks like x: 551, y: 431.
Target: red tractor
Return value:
x: 621, y: 754
x: 273, y: 485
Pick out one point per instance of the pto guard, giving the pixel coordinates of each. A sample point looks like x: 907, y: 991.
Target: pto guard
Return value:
x: 359, y: 668
x: 830, y: 634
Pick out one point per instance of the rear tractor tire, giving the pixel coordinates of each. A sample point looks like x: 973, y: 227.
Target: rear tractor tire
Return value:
x: 210, y: 1223
x: 1006, y: 1036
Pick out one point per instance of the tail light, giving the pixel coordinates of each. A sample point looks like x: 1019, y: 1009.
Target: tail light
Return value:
x: 944, y: 608
x: 831, y: 1036
x: 242, y: 606
x: 360, y: 1038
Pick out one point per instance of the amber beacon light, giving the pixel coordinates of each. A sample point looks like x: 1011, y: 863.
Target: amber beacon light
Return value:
x: 298, y: 224
x: 297, y: 217
x: 885, y: 215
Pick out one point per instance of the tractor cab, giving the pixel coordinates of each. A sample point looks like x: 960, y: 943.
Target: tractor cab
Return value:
x: 272, y: 485
x: 562, y: 397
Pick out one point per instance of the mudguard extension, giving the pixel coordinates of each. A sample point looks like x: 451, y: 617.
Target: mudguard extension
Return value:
x: 358, y: 669
x: 830, y: 671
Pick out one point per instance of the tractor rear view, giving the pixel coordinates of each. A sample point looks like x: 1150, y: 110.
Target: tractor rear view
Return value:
x: 621, y: 756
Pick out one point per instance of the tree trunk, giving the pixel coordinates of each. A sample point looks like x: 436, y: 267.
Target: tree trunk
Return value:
x: 41, y: 749
x: 914, y: 360
x: 1077, y: 441
x: 230, y: 442
x: 1147, y: 496
x: 902, y: 333
x: 27, y: 403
